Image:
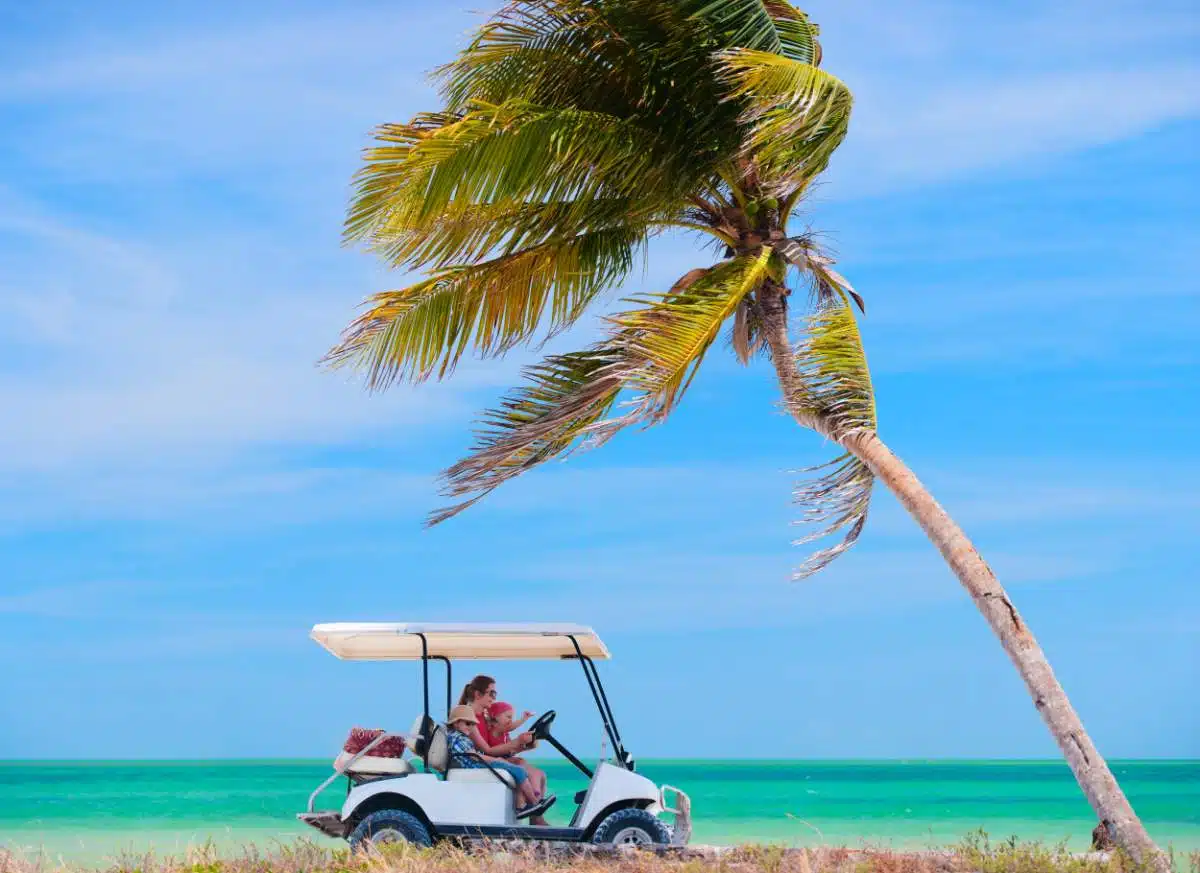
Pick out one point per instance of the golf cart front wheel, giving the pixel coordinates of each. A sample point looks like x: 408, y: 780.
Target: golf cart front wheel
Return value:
x: 631, y: 827
x: 389, y: 826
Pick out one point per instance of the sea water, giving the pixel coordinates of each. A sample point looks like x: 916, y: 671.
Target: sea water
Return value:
x: 91, y: 811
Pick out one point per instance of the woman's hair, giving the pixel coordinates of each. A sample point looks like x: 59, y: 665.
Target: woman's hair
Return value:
x: 478, y: 685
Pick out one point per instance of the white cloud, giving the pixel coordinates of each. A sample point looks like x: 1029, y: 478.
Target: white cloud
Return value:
x: 973, y: 126
x: 112, y: 352
x: 265, y: 97
x: 945, y: 91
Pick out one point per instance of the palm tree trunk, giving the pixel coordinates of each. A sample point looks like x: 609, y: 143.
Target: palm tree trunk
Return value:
x: 1090, y: 769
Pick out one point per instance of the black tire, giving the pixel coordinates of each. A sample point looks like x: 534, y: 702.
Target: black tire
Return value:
x: 631, y: 827
x: 390, y: 826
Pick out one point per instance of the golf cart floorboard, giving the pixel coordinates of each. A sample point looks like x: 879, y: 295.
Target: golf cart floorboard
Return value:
x: 505, y: 832
x: 328, y: 822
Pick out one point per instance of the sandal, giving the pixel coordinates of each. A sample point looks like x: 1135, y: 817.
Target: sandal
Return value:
x: 537, y: 808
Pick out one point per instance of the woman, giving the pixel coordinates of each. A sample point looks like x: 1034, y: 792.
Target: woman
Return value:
x: 480, y: 694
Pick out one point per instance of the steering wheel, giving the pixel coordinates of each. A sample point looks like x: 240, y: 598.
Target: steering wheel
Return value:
x: 541, y: 728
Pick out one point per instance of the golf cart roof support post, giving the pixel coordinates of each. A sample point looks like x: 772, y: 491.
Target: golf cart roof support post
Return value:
x: 425, y: 695
x: 604, y: 699
x: 605, y: 713
x: 449, y: 681
x: 425, y: 673
x: 618, y: 742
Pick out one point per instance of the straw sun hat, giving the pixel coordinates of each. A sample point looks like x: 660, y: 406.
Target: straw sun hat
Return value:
x: 462, y: 713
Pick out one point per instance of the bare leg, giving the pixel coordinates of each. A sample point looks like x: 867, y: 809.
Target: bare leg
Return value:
x: 524, y: 795
x: 536, y: 775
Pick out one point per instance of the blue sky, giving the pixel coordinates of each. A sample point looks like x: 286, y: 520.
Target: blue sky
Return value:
x: 183, y: 493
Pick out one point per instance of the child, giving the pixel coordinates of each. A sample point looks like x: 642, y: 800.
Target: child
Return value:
x: 500, y: 722
x: 463, y: 754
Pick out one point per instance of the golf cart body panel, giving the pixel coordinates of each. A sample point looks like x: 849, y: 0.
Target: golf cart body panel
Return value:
x: 476, y: 797
x: 477, y: 802
x: 455, y: 801
x: 611, y: 787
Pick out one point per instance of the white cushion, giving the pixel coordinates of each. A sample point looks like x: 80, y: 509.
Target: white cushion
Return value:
x: 479, y: 774
x: 371, y: 764
x: 438, y: 754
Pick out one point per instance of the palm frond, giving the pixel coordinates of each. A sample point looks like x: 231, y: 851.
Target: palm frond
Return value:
x: 426, y: 328
x: 670, y: 334
x: 804, y: 253
x: 551, y: 52
x: 565, y: 403
x: 514, y: 152
x: 745, y: 336
x: 838, y: 393
x: 764, y: 25
x: 840, y: 499
x: 797, y: 34
x: 467, y: 232
x: 643, y: 61
x: 797, y: 115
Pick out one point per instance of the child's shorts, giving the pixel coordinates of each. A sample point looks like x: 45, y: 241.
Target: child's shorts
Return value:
x: 517, y: 773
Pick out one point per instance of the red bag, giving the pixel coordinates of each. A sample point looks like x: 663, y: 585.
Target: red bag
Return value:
x: 392, y: 747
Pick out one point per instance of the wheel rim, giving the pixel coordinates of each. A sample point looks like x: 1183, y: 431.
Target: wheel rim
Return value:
x: 387, y: 836
x: 632, y: 837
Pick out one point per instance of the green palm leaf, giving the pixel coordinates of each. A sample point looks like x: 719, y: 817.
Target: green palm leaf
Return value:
x: 567, y: 399
x: 468, y: 232
x: 796, y: 114
x: 550, y: 52
x: 763, y: 25
x: 669, y: 336
x: 426, y: 328
x: 514, y: 152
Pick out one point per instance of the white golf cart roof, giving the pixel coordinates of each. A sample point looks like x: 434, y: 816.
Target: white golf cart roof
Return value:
x: 401, y: 641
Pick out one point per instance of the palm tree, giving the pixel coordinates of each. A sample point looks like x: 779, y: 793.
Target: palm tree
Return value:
x: 571, y: 133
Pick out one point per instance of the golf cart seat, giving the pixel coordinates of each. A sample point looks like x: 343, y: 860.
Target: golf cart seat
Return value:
x: 371, y: 765
x: 372, y: 753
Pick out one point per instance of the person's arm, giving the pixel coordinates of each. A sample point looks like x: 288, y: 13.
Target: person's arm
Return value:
x: 496, y: 751
x: 524, y: 718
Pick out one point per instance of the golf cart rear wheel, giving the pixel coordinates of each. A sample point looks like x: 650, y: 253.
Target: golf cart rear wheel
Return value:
x: 631, y: 827
x: 390, y: 826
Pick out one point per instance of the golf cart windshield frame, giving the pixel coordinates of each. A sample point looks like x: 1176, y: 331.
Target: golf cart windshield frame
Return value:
x: 624, y: 759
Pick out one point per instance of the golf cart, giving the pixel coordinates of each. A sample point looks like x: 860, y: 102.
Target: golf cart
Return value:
x: 424, y: 799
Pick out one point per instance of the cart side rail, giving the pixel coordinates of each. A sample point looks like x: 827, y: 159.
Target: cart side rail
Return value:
x: 341, y: 771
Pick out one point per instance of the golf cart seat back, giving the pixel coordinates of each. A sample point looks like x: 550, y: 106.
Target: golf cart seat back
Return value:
x: 433, y: 748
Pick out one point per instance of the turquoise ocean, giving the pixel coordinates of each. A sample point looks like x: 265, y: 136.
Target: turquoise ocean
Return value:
x: 89, y: 812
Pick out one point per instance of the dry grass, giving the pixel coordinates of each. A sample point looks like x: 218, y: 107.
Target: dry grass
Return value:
x: 974, y: 855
